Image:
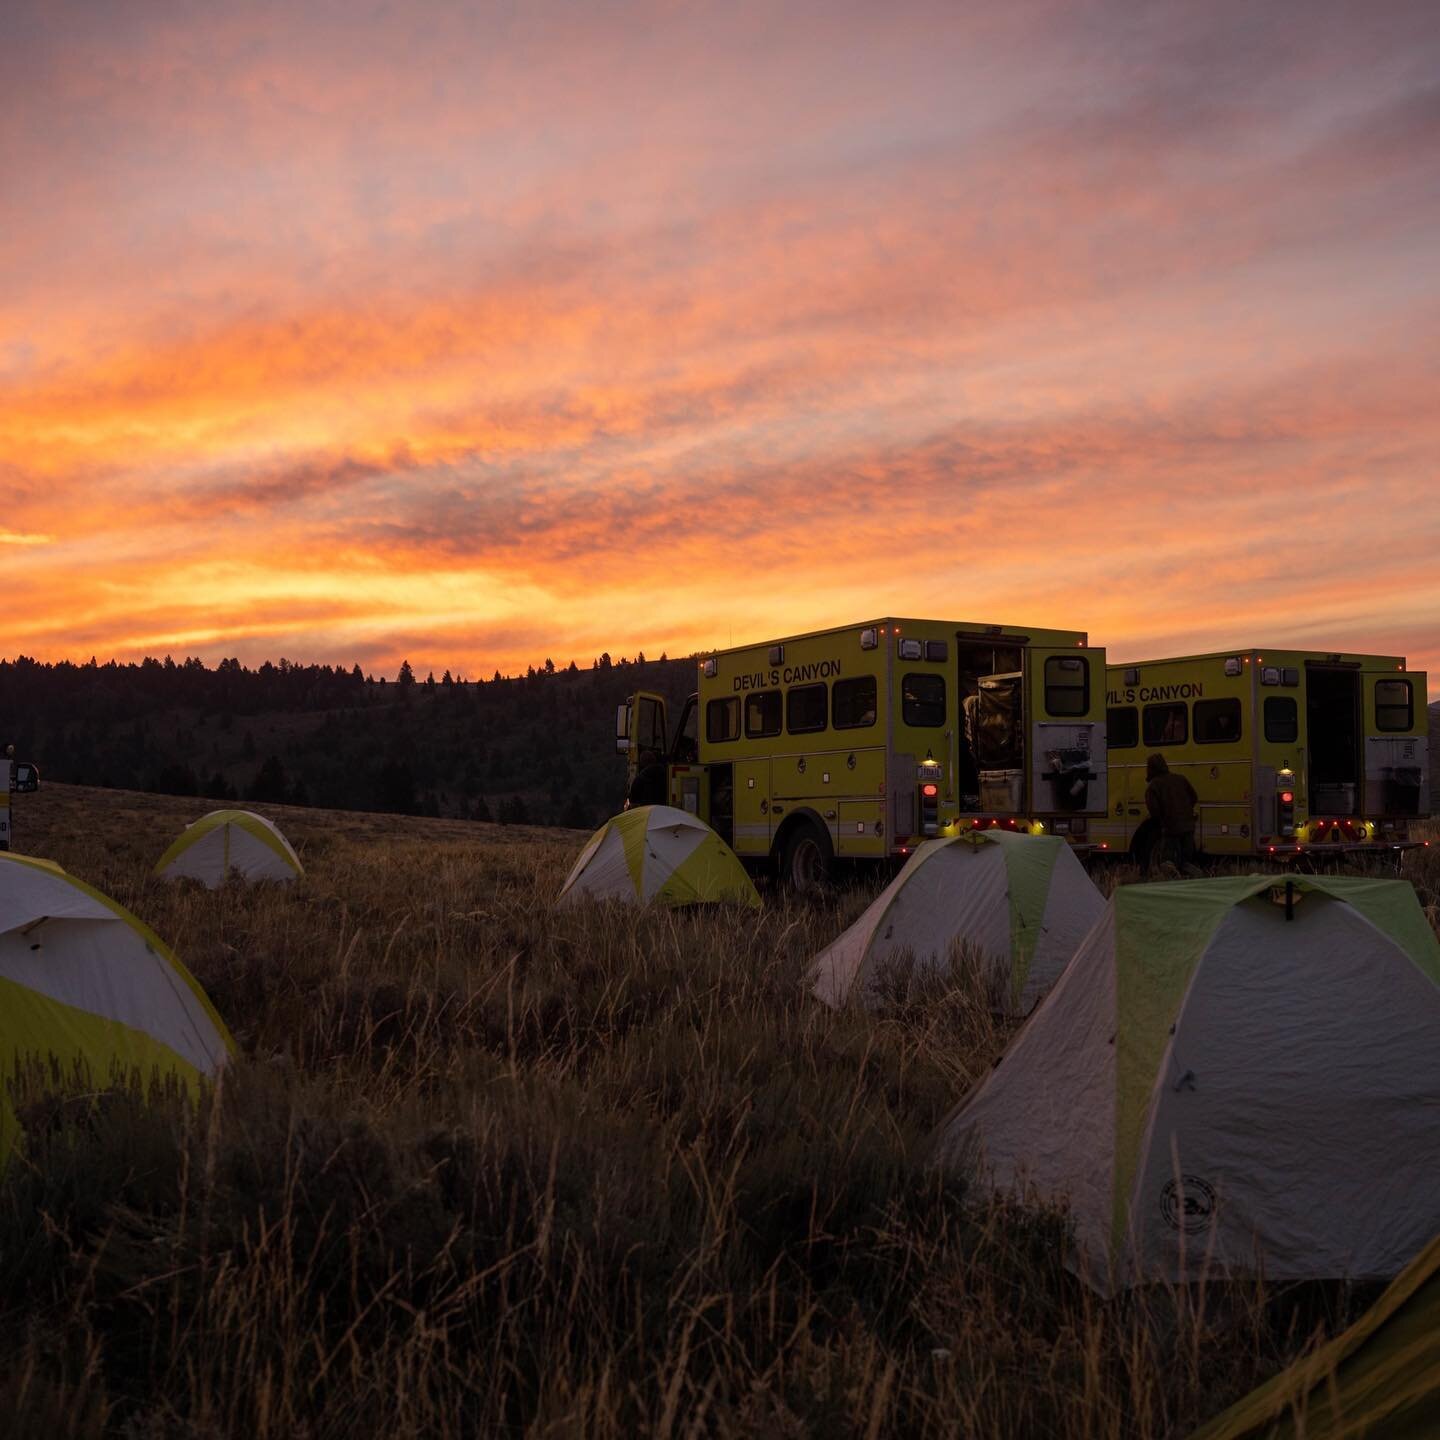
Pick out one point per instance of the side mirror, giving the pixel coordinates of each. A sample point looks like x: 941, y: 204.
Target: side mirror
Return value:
x: 622, y: 728
x: 25, y: 779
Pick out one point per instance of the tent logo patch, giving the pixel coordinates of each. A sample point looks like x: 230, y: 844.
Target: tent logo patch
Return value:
x: 1187, y: 1203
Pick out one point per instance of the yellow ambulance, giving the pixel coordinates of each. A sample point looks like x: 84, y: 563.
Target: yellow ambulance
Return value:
x: 858, y: 743
x: 1289, y: 751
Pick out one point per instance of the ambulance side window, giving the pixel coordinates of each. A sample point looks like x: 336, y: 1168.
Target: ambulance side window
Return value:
x: 1122, y: 727
x: 722, y: 720
x: 1282, y: 720
x: 762, y: 714
x: 805, y: 708
x: 1394, y: 705
x: 1217, y: 722
x: 1166, y: 724
x: 852, y: 703
x: 922, y: 699
x: 1067, y: 685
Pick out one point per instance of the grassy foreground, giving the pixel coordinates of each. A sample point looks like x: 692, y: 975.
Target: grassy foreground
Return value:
x: 489, y: 1169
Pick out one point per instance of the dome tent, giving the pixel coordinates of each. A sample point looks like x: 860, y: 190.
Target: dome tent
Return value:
x: 1235, y: 1072
x: 1380, y: 1378
x: 661, y: 854
x: 82, y: 981
x: 226, y: 842
x: 1023, y: 900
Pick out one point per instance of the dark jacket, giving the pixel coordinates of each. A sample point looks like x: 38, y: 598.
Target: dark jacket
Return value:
x: 1170, y: 799
x: 651, y: 785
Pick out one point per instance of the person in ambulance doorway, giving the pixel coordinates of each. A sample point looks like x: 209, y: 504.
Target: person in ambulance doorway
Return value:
x: 651, y: 783
x: 1171, y: 801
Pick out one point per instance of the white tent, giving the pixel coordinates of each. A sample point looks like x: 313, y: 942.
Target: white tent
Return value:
x: 1023, y: 901
x: 661, y: 854
x: 230, y: 842
x: 82, y: 981
x: 1230, y: 1073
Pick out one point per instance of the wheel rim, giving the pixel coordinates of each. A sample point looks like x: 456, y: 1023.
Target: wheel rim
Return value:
x: 806, y: 863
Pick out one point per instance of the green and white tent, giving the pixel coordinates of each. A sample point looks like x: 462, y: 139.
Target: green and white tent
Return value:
x: 230, y: 842
x: 1025, y: 901
x: 83, y: 982
x: 1236, y: 1073
x: 661, y: 854
x: 1379, y: 1379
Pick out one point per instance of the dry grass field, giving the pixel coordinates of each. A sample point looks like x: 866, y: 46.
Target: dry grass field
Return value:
x: 488, y: 1169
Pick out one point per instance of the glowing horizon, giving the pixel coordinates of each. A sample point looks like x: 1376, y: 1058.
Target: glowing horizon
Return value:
x: 472, y: 336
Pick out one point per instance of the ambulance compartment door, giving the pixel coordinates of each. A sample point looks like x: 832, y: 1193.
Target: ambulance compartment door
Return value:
x: 1067, y: 731
x: 752, y: 824
x: 1394, y: 718
x: 640, y: 726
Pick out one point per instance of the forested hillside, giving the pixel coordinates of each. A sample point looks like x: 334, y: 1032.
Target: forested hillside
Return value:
x: 536, y: 748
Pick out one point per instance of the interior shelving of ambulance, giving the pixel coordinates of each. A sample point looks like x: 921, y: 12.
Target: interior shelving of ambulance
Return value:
x: 991, y: 761
x: 1335, y: 763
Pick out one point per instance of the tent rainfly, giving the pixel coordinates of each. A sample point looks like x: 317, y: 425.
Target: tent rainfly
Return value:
x: 661, y: 854
x: 1025, y: 901
x: 84, y: 984
x: 1379, y: 1379
x: 1232, y: 1073
x: 227, y: 842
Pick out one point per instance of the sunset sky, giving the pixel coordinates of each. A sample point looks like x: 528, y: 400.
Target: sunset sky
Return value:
x: 477, y: 333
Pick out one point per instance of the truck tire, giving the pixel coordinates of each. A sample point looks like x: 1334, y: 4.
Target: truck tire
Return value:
x: 806, y: 858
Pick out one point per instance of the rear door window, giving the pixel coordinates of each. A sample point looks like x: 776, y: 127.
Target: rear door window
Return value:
x: 1166, y: 724
x: 1067, y: 685
x: 1394, y: 705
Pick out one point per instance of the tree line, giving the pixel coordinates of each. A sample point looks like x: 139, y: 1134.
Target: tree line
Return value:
x: 536, y: 748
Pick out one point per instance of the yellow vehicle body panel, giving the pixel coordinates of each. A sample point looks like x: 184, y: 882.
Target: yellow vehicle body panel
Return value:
x: 1343, y: 733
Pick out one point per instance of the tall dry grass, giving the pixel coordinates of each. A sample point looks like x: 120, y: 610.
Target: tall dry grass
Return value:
x: 485, y: 1168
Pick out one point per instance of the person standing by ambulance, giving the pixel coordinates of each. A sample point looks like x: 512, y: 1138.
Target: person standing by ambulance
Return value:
x: 651, y: 783
x: 1171, y: 801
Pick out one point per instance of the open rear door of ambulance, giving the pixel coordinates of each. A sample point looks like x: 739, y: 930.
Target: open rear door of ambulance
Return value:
x: 1067, y: 736
x: 1394, y: 722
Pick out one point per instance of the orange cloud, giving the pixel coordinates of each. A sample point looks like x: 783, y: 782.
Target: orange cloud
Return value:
x: 423, y: 338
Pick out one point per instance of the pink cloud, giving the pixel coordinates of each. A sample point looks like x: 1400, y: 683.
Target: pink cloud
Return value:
x: 440, y: 323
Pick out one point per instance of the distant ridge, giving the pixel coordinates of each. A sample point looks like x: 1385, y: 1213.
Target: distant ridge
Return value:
x: 537, y: 748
